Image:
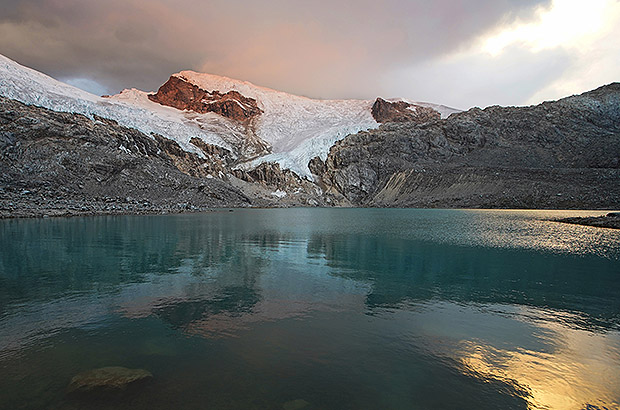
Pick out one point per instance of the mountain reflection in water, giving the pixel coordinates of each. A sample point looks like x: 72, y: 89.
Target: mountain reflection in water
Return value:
x: 345, y: 308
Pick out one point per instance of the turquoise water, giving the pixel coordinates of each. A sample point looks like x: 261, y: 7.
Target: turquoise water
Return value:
x: 314, y: 309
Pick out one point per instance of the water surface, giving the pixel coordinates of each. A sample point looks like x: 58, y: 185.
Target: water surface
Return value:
x: 314, y: 309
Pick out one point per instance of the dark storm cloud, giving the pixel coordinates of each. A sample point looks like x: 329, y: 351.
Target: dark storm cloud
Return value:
x: 319, y: 48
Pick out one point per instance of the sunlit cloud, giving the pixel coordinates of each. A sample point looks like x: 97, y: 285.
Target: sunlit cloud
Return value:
x: 567, y: 23
x: 321, y: 49
x: 564, y: 48
x: 587, y: 31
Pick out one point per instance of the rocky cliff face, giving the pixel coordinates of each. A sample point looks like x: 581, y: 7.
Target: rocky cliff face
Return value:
x: 268, y: 182
x: 563, y: 154
x: 66, y: 164
x: 180, y: 93
x: 402, y: 111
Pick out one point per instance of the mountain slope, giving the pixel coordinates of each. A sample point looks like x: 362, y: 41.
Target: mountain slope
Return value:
x: 54, y: 163
x: 204, y: 140
x: 560, y: 154
x: 255, y: 123
x: 289, y: 124
x: 32, y: 87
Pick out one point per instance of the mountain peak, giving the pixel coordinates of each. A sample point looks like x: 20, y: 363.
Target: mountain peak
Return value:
x: 181, y: 93
x: 223, y: 84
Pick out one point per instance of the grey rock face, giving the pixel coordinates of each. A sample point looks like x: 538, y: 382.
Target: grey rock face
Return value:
x: 290, y: 188
x: 563, y: 154
x: 71, y: 165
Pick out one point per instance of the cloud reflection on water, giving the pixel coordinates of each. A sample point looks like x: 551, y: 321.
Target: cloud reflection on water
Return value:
x: 578, y: 371
x: 542, y: 323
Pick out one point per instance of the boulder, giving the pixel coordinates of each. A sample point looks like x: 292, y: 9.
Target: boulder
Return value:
x: 107, y: 379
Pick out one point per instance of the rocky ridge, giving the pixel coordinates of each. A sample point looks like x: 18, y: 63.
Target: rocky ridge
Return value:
x: 179, y: 93
x: 562, y: 154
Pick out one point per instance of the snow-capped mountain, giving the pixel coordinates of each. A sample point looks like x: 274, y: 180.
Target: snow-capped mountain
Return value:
x: 294, y: 128
x: 256, y: 124
x: 32, y: 87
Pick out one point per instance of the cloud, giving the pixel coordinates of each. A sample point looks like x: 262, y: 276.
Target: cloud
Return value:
x: 455, y: 52
x: 335, y: 49
x: 86, y: 84
x: 471, y: 78
x: 593, y: 45
x: 566, y: 48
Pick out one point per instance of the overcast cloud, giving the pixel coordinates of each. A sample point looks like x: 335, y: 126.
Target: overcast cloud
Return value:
x: 327, y: 49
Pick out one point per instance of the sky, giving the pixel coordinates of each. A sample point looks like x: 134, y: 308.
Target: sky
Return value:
x: 461, y: 53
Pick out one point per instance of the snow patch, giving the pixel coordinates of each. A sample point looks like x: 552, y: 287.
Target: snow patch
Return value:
x: 279, y: 194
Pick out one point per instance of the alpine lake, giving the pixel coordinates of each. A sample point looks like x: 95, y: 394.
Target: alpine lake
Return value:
x: 302, y: 309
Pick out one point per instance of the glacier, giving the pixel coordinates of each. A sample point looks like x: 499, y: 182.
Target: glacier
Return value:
x: 296, y: 128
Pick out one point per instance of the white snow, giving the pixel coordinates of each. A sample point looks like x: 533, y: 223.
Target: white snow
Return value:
x: 279, y: 194
x: 130, y: 108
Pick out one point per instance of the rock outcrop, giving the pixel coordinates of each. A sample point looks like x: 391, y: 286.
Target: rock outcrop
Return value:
x: 179, y: 93
x: 401, y: 111
x: 562, y: 154
x: 239, y: 112
x: 268, y: 180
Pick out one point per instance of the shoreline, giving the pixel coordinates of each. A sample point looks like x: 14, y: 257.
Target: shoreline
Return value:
x: 76, y: 208
x: 610, y: 221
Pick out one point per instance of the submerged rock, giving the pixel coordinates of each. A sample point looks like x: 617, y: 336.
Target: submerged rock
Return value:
x: 107, y: 379
x: 298, y: 404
